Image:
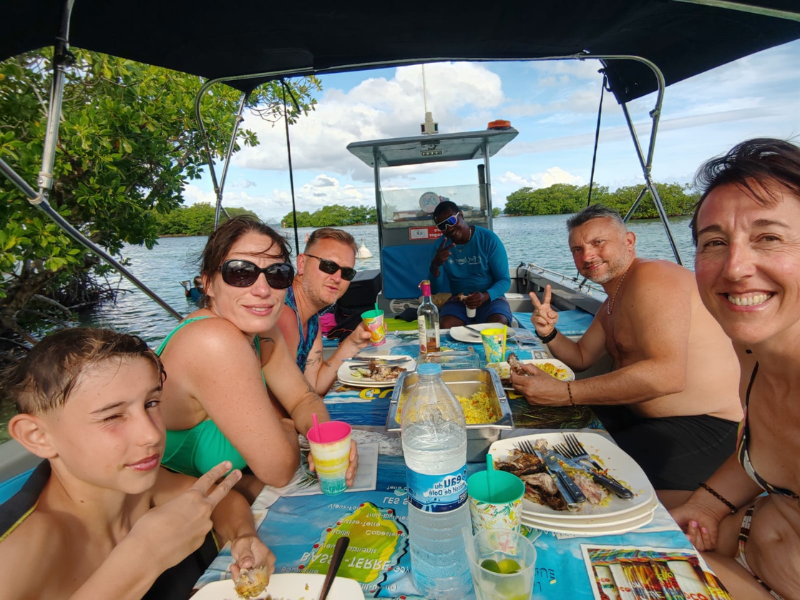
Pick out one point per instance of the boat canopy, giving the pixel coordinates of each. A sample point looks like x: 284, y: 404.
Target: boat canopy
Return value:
x: 439, y: 147
x: 260, y: 41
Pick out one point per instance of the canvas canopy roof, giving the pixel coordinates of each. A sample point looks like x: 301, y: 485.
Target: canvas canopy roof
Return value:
x: 238, y: 37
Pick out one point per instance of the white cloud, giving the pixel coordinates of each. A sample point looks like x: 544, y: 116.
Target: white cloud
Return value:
x: 549, y: 177
x: 243, y: 183
x: 376, y: 108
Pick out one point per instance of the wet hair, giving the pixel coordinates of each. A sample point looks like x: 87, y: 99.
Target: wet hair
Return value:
x: 755, y: 165
x: 222, y: 240
x: 45, y: 378
x: 329, y: 233
x: 594, y: 211
x: 443, y: 206
x: 198, y: 281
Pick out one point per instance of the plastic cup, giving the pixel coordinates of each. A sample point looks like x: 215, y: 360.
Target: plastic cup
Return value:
x: 494, y: 344
x: 373, y: 321
x: 501, y: 509
x: 502, y: 564
x: 330, y: 447
x: 471, y: 312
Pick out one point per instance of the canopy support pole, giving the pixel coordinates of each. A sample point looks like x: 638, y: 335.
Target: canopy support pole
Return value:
x: 378, y: 200
x: 218, y: 186
x: 488, y: 185
x: 61, y: 59
x: 646, y: 171
x: 228, y: 155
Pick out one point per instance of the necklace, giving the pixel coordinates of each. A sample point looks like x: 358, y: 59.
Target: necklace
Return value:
x: 610, y: 305
x: 471, y: 231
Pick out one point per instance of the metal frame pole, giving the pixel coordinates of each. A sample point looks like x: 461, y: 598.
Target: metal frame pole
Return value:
x: 376, y: 156
x: 39, y: 202
x: 646, y: 168
x: 228, y: 156
x: 488, y: 185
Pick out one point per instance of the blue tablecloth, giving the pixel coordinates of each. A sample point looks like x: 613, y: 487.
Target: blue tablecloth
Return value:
x: 301, y: 530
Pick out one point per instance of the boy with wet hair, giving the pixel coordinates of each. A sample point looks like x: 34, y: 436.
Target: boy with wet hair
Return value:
x: 99, y: 517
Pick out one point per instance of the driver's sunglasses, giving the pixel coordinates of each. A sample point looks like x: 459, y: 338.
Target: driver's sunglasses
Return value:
x: 448, y: 222
x: 243, y: 273
x: 330, y: 267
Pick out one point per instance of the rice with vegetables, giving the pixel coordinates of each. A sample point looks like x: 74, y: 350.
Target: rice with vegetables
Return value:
x: 478, y: 408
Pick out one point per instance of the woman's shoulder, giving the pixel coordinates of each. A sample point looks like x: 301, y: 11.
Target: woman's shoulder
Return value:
x: 208, y: 333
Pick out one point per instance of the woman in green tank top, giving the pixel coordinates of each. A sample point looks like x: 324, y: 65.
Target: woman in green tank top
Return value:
x: 215, y: 400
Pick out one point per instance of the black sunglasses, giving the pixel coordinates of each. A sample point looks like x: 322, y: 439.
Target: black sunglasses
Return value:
x: 330, y: 267
x: 448, y: 222
x: 243, y: 273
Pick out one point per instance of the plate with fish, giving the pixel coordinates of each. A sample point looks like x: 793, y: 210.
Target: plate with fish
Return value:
x: 287, y: 586
x: 544, y: 496
x: 551, y: 366
x: 375, y: 372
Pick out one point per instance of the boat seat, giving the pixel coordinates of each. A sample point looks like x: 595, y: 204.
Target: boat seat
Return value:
x: 403, y: 268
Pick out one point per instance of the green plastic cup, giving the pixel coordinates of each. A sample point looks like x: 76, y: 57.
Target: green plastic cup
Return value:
x: 501, y: 509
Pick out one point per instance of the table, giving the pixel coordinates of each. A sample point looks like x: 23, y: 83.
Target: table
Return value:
x: 301, y: 530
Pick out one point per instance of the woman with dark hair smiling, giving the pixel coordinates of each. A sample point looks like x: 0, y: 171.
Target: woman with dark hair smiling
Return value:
x: 216, y: 405
x: 747, y: 230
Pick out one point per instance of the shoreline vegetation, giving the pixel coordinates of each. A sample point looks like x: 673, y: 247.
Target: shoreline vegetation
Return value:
x: 564, y: 198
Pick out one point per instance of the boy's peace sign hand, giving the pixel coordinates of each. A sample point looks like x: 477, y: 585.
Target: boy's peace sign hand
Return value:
x: 174, y: 530
x: 544, y: 318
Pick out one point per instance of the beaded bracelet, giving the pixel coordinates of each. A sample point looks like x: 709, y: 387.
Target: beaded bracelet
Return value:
x: 569, y: 391
x: 718, y: 496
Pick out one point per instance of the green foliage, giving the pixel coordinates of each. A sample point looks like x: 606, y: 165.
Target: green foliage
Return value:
x: 197, y: 219
x: 563, y: 198
x: 334, y: 215
x: 128, y: 144
x: 495, y: 212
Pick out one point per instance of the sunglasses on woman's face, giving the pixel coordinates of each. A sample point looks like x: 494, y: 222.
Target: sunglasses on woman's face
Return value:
x: 243, y: 273
x: 448, y: 222
x: 330, y: 267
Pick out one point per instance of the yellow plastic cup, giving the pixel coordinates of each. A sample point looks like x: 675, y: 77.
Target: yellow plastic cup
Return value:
x: 494, y: 344
x: 373, y: 321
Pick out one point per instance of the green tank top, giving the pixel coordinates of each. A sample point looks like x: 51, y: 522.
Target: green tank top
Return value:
x: 194, y: 451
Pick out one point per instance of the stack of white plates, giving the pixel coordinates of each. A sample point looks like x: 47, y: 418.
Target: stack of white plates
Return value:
x: 615, y: 515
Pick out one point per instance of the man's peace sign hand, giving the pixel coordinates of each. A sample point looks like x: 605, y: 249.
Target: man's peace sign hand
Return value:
x: 544, y: 318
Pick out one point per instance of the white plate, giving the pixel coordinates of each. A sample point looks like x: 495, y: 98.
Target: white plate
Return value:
x: 505, y: 370
x: 608, y: 530
x: 595, y: 522
x: 462, y: 334
x: 344, y: 375
x: 290, y: 586
x: 620, y: 466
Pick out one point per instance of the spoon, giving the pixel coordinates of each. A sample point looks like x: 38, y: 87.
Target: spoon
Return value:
x: 336, y: 561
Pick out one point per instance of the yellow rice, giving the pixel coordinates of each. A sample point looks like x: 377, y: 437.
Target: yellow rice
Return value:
x: 478, y: 408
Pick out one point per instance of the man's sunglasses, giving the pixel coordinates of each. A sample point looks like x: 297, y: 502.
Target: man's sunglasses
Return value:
x: 243, y: 273
x: 330, y: 267
x: 448, y: 222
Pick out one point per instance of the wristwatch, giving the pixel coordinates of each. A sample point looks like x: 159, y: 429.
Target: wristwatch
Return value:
x: 546, y: 339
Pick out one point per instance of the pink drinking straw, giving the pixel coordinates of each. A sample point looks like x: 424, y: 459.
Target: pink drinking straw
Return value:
x: 317, y: 427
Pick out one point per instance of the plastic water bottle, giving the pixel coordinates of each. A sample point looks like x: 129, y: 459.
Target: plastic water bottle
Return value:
x: 435, y: 448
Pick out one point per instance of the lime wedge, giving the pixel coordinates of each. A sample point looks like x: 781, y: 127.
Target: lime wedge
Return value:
x: 508, y: 566
x: 491, y: 565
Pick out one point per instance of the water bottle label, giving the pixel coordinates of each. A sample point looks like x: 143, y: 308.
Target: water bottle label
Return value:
x: 437, y: 493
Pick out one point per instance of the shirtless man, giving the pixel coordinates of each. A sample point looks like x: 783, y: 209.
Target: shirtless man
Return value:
x: 324, y: 272
x: 675, y: 371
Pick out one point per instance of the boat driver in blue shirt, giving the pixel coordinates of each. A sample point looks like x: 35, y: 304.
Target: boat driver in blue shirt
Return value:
x: 474, y: 262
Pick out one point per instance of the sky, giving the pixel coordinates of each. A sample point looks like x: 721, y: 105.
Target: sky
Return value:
x: 553, y: 105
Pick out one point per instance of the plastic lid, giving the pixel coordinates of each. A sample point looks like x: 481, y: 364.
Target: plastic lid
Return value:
x: 429, y: 369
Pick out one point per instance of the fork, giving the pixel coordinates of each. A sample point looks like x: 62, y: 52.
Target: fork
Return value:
x: 562, y: 486
x: 525, y: 446
x: 576, y: 451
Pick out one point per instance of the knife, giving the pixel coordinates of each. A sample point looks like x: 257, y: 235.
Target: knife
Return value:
x: 555, y: 468
x: 564, y: 484
x: 367, y: 360
x: 611, y: 484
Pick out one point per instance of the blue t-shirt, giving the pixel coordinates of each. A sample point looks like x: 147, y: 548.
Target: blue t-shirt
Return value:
x: 480, y: 265
x: 195, y: 295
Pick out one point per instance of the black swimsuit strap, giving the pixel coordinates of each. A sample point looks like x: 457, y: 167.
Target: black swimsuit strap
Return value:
x: 745, y: 436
